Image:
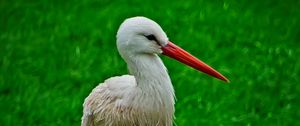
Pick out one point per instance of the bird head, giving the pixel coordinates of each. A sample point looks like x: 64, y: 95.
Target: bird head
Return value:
x: 140, y: 35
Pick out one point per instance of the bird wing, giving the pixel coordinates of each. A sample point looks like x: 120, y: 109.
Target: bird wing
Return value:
x: 104, y: 98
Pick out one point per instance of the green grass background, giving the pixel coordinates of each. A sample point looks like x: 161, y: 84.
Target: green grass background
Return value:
x: 54, y: 52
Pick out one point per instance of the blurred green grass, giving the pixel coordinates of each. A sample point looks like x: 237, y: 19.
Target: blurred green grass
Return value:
x: 53, y: 53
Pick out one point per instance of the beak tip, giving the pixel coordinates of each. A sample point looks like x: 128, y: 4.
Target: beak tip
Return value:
x: 226, y: 80
x: 223, y: 78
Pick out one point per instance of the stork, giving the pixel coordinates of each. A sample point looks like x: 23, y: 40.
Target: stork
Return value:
x: 146, y: 96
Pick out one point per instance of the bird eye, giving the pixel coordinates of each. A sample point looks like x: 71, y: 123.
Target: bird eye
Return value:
x: 151, y: 37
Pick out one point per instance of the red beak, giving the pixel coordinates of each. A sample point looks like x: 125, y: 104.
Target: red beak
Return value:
x: 175, y: 52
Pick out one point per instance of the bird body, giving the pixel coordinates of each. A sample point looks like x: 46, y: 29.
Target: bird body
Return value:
x: 146, y: 97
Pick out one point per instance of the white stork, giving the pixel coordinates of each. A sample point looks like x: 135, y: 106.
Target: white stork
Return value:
x: 146, y: 96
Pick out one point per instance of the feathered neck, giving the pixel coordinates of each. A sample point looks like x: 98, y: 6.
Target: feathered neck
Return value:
x: 149, y: 71
x: 155, y: 90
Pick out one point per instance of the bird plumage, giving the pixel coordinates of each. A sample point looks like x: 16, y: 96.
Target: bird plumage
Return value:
x: 145, y: 98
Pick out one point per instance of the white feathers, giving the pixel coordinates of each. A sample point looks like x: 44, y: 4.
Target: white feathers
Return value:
x: 147, y: 97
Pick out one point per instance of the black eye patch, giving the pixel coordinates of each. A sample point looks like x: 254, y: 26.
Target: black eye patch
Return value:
x: 151, y: 37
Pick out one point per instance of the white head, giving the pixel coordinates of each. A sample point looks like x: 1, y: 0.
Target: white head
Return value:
x: 140, y: 35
